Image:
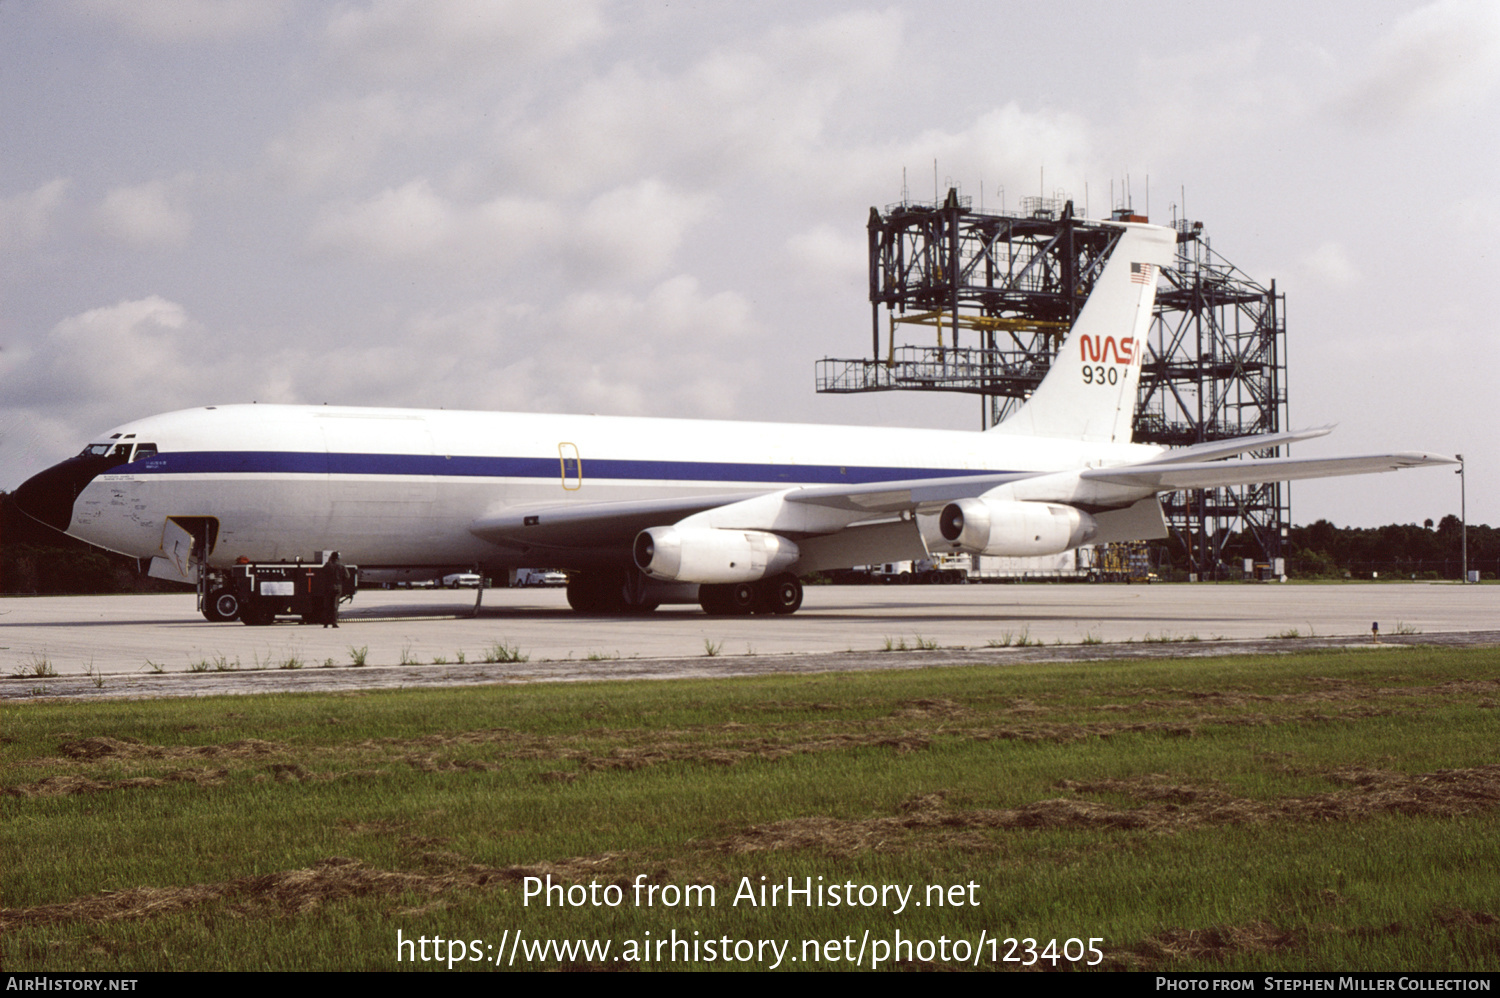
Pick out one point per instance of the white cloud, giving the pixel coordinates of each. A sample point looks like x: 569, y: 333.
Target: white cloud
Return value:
x: 338, y: 140
x: 1220, y: 92
x: 663, y: 354
x: 1330, y: 265
x: 635, y: 230
x: 413, y: 38
x: 1006, y: 141
x: 416, y: 223
x: 408, y: 222
x: 189, y: 20
x: 97, y: 358
x: 844, y: 48
x: 1441, y: 59
x: 27, y: 218
x: 149, y: 215
x: 824, y: 256
x: 628, y: 232
x: 660, y: 353
x: 758, y: 107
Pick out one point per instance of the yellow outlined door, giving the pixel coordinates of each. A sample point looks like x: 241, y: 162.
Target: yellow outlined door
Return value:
x: 571, y: 465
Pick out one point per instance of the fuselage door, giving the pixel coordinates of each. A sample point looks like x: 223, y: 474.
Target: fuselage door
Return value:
x: 572, y: 466
x: 185, y: 542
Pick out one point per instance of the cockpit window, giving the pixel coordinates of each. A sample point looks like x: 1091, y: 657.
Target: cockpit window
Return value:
x: 119, y: 451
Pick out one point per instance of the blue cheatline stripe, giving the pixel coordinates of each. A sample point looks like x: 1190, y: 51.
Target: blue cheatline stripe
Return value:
x: 313, y: 463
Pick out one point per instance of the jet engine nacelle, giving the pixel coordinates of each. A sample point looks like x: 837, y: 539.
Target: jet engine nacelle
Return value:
x: 1015, y: 529
x: 711, y: 555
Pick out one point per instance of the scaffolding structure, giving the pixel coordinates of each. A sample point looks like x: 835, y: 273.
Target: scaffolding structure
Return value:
x: 1000, y: 291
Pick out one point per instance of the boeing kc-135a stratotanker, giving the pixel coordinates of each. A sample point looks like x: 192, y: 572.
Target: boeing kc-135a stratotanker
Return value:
x: 646, y: 511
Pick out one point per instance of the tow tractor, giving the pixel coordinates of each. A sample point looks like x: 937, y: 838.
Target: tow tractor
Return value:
x: 259, y: 592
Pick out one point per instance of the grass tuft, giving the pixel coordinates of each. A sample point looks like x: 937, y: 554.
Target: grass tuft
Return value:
x: 501, y: 652
x: 39, y: 666
x: 712, y: 649
x: 359, y: 656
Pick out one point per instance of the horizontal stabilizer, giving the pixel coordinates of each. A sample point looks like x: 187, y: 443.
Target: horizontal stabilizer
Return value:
x: 1215, y: 449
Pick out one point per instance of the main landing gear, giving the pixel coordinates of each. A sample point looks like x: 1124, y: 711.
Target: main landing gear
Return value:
x: 610, y: 591
x: 621, y: 591
x: 780, y: 594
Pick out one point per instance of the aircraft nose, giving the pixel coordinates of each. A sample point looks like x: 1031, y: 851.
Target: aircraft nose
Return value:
x: 48, y: 496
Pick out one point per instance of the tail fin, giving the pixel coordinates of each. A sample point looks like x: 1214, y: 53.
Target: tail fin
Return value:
x: 1090, y: 392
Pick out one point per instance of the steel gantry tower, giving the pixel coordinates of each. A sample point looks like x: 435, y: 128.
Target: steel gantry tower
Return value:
x: 997, y: 293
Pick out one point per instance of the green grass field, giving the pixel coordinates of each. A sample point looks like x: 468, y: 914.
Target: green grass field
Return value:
x: 1328, y: 811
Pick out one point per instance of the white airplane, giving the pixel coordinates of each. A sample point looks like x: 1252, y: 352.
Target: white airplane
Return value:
x: 645, y: 511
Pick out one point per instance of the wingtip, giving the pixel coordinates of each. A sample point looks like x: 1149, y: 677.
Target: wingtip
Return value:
x: 1417, y: 458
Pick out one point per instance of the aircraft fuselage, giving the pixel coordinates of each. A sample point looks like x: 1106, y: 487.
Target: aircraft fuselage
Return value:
x: 393, y: 487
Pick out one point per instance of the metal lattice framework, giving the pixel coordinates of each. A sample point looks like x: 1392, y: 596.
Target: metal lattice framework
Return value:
x: 1216, y: 368
x: 1012, y: 284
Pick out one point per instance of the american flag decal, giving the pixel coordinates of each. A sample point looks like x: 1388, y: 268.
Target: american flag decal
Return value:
x: 1143, y: 273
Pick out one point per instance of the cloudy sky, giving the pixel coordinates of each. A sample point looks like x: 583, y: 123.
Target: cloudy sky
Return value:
x: 659, y: 208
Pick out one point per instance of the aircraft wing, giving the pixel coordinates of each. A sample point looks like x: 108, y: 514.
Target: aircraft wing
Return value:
x: 615, y: 523
x: 591, y: 525
x: 1166, y: 476
x: 883, y: 513
x: 921, y: 494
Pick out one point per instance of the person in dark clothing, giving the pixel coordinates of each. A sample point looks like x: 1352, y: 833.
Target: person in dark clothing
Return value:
x: 333, y: 589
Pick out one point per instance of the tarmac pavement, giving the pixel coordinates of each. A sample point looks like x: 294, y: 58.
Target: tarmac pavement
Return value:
x: 136, y: 645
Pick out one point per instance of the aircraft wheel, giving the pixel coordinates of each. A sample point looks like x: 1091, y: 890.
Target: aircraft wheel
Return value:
x: 632, y: 588
x: 585, y: 595
x: 609, y: 592
x: 780, y: 595
x: 727, y: 599
x: 221, y: 605
x: 711, y: 598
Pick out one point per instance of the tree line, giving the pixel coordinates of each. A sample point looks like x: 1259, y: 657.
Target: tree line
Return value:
x: 1397, y: 550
